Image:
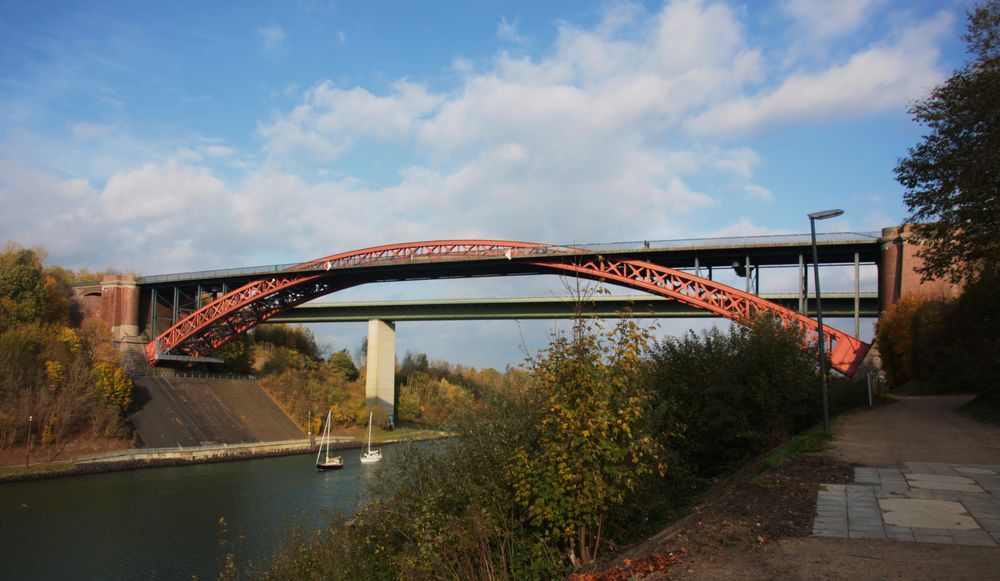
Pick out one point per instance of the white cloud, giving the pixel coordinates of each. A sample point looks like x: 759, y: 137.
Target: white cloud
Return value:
x: 824, y: 19
x: 740, y: 161
x: 168, y: 193
x: 883, y: 77
x: 85, y: 131
x: 272, y: 39
x: 330, y: 119
x: 507, y: 31
x: 758, y: 192
x: 591, y: 141
x: 744, y: 227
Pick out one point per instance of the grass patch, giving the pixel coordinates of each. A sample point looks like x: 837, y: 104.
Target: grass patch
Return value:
x: 20, y: 470
x: 810, y: 441
x: 985, y: 408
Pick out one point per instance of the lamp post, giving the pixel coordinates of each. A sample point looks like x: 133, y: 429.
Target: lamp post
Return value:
x: 819, y: 310
x: 27, y: 457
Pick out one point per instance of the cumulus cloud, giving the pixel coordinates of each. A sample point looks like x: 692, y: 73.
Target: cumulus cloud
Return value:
x: 331, y: 119
x: 823, y: 19
x: 881, y: 78
x: 622, y: 130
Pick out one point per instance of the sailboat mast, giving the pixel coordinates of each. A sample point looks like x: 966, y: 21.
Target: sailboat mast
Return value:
x: 369, y: 432
x: 320, y: 450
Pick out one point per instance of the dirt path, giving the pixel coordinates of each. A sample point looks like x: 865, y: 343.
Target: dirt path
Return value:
x: 749, y: 533
x: 915, y: 429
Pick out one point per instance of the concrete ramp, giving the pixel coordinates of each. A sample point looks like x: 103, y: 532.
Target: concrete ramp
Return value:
x: 173, y: 411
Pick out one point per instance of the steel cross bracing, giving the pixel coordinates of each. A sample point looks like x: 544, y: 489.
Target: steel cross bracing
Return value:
x: 217, y: 323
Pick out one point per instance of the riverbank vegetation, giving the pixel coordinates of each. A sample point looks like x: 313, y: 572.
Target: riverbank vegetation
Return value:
x: 294, y: 371
x: 951, y: 191
x: 603, y: 438
x: 61, y: 374
x: 946, y: 346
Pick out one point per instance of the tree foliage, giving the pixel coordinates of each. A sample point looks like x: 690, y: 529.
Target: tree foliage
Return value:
x: 65, y: 376
x: 341, y: 362
x: 295, y: 337
x: 591, y: 446
x: 945, y: 346
x: 726, y: 396
x: 952, y: 177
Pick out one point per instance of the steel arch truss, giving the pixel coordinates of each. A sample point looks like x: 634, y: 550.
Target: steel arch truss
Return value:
x: 429, y: 251
x: 214, y: 325
x: 209, y: 328
x: 846, y: 352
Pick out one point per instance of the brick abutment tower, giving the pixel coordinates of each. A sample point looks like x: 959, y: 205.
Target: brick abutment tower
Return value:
x: 898, y: 277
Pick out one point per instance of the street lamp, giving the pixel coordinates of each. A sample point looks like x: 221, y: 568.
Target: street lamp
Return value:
x: 27, y: 457
x: 819, y: 310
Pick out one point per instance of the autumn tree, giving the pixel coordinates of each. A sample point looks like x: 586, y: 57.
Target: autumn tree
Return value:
x: 591, y: 446
x: 341, y: 361
x: 952, y: 177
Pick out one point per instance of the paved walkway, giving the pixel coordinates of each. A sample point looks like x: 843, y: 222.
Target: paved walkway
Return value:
x: 940, y: 483
x: 925, y: 502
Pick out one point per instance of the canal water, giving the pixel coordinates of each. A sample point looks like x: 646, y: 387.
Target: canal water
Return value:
x: 163, y: 523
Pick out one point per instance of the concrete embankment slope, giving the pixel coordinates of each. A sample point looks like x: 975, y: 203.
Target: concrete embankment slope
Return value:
x: 174, y: 411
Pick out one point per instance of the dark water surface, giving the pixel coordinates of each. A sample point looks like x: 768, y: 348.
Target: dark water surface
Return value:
x: 163, y: 523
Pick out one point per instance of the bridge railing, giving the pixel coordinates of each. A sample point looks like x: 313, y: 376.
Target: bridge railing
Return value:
x: 538, y: 250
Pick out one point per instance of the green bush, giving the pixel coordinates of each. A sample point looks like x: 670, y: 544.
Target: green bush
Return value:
x: 727, y: 396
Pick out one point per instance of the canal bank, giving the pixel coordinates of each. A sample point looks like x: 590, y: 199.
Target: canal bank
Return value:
x: 142, y: 458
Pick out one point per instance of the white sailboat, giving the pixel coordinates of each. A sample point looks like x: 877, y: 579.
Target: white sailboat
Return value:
x: 328, y: 463
x: 370, y: 456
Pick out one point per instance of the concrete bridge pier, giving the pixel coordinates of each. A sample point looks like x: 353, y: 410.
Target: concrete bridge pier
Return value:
x: 380, y: 378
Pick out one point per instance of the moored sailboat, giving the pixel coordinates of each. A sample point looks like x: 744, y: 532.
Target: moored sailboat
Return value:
x: 328, y: 463
x: 370, y: 456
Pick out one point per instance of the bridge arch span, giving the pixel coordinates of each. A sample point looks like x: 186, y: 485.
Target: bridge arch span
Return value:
x: 222, y: 320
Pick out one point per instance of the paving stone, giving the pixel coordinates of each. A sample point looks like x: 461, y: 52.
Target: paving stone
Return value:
x: 927, y: 514
x: 899, y: 535
x: 980, y: 538
x: 943, y: 482
x: 948, y: 503
x: 940, y: 539
x: 941, y: 469
x: 974, y: 470
x: 990, y: 524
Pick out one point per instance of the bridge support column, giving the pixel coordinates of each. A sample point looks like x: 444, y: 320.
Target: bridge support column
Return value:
x: 898, y: 276
x: 380, y: 378
x: 120, y: 305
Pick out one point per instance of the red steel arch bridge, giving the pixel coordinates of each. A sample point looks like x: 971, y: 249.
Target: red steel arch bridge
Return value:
x: 646, y: 268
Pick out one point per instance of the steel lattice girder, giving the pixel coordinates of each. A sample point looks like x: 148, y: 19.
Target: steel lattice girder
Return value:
x: 846, y: 352
x: 217, y: 323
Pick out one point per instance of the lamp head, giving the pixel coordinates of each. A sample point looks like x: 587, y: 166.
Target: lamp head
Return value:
x: 825, y: 214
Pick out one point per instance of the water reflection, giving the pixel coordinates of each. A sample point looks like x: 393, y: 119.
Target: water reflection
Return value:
x: 164, y: 523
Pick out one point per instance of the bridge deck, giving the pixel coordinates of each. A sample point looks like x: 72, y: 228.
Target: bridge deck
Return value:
x: 776, y: 250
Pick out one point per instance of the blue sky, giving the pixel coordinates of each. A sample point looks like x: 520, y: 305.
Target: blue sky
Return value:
x: 162, y: 137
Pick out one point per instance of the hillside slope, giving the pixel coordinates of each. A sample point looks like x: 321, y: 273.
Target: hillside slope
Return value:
x: 171, y: 411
